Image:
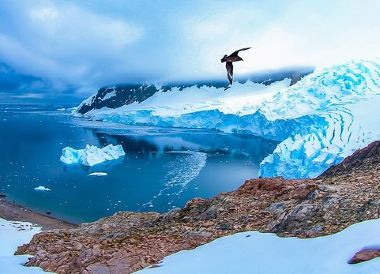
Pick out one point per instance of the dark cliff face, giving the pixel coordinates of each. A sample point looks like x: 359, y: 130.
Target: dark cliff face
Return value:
x: 125, y: 94
x: 118, y: 96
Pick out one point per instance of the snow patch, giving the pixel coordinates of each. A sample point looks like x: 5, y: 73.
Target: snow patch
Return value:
x: 266, y: 253
x: 91, y: 155
x: 109, y: 95
x: 12, y: 235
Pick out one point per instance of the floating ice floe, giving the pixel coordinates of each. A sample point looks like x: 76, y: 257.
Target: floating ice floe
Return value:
x: 42, y: 188
x: 91, y: 155
x: 12, y: 235
x: 266, y: 253
x: 98, y: 174
x: 318, y: 121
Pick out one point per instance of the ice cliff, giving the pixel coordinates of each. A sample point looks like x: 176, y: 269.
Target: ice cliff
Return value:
x: 91, y: 155
x: 318, y: 121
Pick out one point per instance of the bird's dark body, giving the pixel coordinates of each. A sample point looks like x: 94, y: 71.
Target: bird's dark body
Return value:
x: 232, y: 59
x: 229, y: 59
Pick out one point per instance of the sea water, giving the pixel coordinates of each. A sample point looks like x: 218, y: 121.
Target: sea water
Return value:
x: 162, y: 168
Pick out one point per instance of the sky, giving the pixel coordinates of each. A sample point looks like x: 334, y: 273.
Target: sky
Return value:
x: 56, y: 48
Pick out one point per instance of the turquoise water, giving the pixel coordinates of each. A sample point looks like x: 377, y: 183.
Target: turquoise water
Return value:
x: 162, y: 169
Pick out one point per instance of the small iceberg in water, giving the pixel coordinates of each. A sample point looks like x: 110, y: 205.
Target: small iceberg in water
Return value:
x: 42, y: 188
x: 98, y: 174
x: 91, y: 155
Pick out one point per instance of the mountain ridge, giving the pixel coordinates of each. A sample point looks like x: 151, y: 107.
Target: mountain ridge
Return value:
x: 126, y: 94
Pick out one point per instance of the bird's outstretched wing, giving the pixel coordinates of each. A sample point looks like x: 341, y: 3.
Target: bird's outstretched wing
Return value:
x: 235, y: 53
x: 230, y: 71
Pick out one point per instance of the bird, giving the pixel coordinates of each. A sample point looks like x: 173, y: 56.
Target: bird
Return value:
x: 229, y: 59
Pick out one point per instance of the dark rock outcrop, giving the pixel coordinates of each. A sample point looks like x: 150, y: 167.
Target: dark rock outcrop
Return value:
x: 365, y: 255
x: 122, y: 95
x: 125, y: 94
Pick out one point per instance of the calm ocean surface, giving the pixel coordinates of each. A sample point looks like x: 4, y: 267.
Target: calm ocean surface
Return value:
x: 162, y: 169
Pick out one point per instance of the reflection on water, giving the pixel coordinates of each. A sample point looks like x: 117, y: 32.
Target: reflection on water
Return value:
x: 162, y: 169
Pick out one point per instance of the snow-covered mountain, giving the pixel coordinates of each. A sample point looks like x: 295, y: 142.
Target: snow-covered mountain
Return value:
x: 125, y: 94
x: 320, y: 120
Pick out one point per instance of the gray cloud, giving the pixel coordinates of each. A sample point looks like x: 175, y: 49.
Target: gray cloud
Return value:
x: 65, y: 44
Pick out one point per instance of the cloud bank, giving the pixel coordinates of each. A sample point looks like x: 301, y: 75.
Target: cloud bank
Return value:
x: 76, y: 47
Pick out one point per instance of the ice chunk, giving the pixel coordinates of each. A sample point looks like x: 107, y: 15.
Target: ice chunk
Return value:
x: 98, y: 174
x: 91, y: 155
x: 42, y: 188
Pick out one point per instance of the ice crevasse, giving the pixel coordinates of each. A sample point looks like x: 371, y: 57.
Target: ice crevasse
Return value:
x: 318, y: 121
x: 346, y: 98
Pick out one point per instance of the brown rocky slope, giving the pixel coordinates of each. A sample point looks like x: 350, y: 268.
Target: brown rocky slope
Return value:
x: 126, y: 242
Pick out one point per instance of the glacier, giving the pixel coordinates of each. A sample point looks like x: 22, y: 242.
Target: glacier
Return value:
x: 318, y: 121
x: 91, y: 155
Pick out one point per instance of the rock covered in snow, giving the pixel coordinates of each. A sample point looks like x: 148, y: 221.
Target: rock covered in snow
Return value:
x: 265, y: 253
x: 91, y: 155
x: 124, y: 94
x: 113, y: 97
x: 255, y: 252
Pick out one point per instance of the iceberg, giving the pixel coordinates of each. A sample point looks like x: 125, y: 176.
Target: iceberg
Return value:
x: 91, y: 155
x: 42, y: 188
x: 98, y: 174
x: 318, y: 121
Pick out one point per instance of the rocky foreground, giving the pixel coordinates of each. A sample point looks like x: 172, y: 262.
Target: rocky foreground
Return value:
x: 126, y: 242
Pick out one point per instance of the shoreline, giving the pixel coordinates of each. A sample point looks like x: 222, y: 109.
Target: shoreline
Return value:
x: 130, y: 241
x: 11, y: 211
